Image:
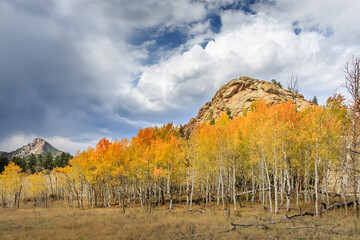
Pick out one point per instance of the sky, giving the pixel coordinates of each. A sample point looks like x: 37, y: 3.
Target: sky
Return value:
x: 74, y: 71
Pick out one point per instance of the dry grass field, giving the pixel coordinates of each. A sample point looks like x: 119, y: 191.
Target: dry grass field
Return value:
x: 59, y: 222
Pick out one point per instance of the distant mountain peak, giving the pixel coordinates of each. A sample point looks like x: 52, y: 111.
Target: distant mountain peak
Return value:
x: 37, y: 146
x: 38, y: 140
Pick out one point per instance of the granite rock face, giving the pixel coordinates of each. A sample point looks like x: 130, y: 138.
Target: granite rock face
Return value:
x: 37, y: 146
x: 238, y: 94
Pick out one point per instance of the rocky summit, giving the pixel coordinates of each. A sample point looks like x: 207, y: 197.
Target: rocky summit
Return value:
x: 37, y: 146
x: 238, y: 94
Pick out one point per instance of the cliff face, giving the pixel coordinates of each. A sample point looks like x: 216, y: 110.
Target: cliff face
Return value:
x: 238, y: 94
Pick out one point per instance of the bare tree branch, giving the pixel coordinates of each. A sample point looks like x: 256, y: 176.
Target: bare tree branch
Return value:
x: 352, y: 81
x: 293, y: 83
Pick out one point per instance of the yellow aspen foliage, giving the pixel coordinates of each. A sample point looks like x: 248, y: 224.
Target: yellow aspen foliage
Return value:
x: 273, y: 153
x: 11, y: 184
x: 37, y: 183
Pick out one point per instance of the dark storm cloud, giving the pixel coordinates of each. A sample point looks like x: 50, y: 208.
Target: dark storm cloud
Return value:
x: 63, y: 63
x: 44, y: 85
x: 33, y: 7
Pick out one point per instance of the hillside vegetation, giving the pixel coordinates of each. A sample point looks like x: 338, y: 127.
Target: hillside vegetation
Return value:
x: 272, y: 154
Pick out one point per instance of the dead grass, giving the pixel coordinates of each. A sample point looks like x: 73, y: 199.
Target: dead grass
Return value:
x: 59, y: 222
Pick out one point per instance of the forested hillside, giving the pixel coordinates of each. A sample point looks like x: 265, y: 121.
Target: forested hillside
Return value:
x: 273, y: 154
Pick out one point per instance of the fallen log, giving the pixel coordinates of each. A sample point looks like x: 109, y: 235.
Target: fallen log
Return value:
x: 299, y: 215
x: 328, y: 208
x: 261, y: 226
x: 258, y: 225
x: 338, y: 204
x: 244, y: 224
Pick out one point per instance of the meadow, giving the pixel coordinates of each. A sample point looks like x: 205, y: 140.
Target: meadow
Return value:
x: 61, y: 222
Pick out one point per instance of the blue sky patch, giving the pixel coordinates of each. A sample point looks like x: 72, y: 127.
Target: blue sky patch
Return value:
x: 297, y: 31
x: 244, y: 5
x: 327, y: 32
x: 215, y: 23
x: 205, y: 43
x: 164, y: 40
x: 167, y: 39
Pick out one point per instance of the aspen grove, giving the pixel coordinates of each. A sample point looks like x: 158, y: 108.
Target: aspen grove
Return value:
x: 272, y: 154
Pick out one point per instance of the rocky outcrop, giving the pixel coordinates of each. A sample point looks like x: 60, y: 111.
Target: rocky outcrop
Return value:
x: 238, y: 94
x: 37, y: 146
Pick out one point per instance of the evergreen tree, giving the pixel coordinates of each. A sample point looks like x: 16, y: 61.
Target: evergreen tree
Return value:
x: 39, y: 159
x: 21, y: 162
x: 315, y: 100
x: 62, y: 160
x: 276, y: 83
x: 4, y: 161
x: 48, y: 161
x: 31, y: 164
x: 181, y: 131
x: 228, y: 112
x: 57, y: 161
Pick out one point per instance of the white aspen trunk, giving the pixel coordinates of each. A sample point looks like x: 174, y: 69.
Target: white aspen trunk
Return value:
x: 158, y: 196
x: 222, y: 188
x: 169, y: 192
x: 358, y: 190
x: 202, y: 191
x: 306, y: 197
x: 288, y: 190
x: 281, y: 188
x: 276, y: 188
x: 218, y: 191
x: 180, y: 188
x: 327, y: 185
x: 192, y: 188
x: 207, y: 189
x: 343, y: 192
x: 288, y: 185
x: 234, y: 186
x: 93, y: 198
x: 187, y: 187
x: 141, y: 197
x: 316, y: 188
x: 81, y: 194
x: 297, y: 194
x: 119, y: 190
x: 246, y: 190
x: 263, y: 184
x: 253, y: 184
x: 275, y: 176
x: 109, y: 198
x: 128, y: 193
x: 134, y: 195
x: 269, y: 184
